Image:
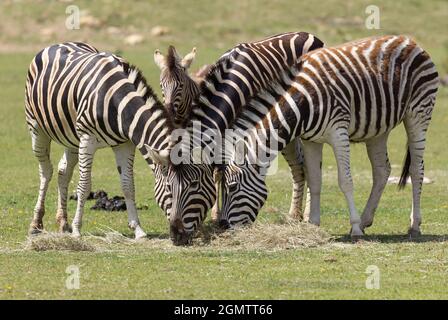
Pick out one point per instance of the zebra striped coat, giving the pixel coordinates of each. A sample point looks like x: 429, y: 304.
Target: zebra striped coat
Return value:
x: 357, y: 91
x: 84, y: 100
x: 237, y: 76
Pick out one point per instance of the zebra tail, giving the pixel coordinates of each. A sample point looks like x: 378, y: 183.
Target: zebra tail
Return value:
x: 405, y: 172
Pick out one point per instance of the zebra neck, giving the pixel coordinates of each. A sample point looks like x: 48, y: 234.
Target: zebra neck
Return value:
x: 146, y: 124
x: 246, y: 71
x: 272, y: 120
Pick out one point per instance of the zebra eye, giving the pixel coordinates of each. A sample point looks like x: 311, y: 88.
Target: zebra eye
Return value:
x: 168, y: 187
x: 194, y: 184
x: 233, y: 186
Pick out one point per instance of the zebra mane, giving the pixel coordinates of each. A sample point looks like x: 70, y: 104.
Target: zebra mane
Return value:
x: 145, y: 90
x: 171, y: 58
x: 211, y: 77
x: 224, y: 63
x: 137, y: 78
x: 271, y: 89
x: 215, y: 68
x: 266, y: 81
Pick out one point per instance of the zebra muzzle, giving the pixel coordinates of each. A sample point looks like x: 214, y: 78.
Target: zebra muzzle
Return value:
x: 178, y: 234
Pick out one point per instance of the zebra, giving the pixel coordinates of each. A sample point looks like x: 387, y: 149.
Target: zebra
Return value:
x: 240, y: 73
x: 178, y: 88
x: 358, y: 92
x: 84, y: 100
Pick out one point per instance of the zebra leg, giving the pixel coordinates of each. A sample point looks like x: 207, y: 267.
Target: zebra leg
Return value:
x: 313, y: 173
x: 217, y: 176
x: 377, y: 152
x: 416, y: 132
x: 293, y: 155
x: 65, y: 173
x: 307, y: 210
x: 41, y: 149
x: 124, y: 157
x: 87, y: 148
x: 341, y: 148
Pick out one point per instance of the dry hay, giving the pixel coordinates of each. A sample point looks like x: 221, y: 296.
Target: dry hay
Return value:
x: 288, y: 234
x: 57, y: 241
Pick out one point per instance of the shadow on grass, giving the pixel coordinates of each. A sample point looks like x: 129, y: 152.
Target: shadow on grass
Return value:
x: 395, y: 238
x: 130, y: 235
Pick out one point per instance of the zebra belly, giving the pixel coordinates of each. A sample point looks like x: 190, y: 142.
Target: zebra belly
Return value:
x: 63, y: 132
x: 370, y: 127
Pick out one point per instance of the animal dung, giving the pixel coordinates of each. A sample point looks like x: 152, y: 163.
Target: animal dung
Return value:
x: 92, y: 195
x: 116, y: 203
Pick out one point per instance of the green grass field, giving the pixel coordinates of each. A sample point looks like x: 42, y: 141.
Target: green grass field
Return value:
x: 122, y: 269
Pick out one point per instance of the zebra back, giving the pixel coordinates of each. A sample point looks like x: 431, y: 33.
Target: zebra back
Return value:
x: 372, y: 83
x: 243, y: 72
x: 73, y: 89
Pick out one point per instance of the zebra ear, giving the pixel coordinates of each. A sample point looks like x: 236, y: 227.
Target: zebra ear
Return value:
x: 159, y: 59
x: 188, y: 59
x: 158, y: 156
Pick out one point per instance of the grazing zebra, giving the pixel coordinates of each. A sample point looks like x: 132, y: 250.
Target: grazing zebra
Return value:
x: 238, y: 75
x: 179, y: 89
x: 84, y: 100
x: 359, y: 92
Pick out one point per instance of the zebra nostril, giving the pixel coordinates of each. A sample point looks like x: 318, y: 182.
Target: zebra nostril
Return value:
x: 179, y: 235
x: 224, y: 224
x: 177, y: 228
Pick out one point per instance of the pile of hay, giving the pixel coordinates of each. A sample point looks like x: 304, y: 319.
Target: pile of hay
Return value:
x: 289, y: 234
x: 285, y: 235
x: 57, y: 241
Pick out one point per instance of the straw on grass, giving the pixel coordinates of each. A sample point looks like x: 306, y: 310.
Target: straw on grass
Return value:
x: 287, y: 234
x: 57, y: 241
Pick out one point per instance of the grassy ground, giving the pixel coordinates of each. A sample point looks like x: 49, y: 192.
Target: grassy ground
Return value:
x: 138, y: 270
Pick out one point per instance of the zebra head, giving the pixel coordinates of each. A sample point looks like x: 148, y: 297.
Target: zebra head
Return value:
x: 244, y: 192
x: 178, y: 88
x: 193, y: 194
x: 161, y: 191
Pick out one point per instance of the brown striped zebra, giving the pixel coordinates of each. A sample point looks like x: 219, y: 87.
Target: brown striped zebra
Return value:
x: 84, y: 100
x: 358, y: 91
x: 238, y: 75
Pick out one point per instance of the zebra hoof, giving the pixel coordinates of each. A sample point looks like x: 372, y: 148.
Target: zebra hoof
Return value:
x: 34, y: 231
x: 140, y: 234
x: 356, y: 238
x: 76, y: 233
x: 65, y: 228
x: 316, y: 223
x: 365, y: 225
x: 414, y: 234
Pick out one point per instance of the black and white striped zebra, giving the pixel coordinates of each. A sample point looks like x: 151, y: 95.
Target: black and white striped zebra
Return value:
x: 178, y: 88
x: 358, y: 92
x: 238, y: 75
x: 84, y: 100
